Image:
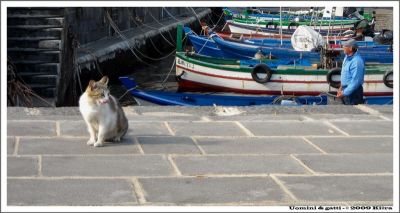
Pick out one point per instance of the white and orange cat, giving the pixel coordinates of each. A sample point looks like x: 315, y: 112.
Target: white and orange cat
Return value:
x: 102, y: 113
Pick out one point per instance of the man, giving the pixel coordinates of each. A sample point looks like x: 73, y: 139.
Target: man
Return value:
x: 352, y: 75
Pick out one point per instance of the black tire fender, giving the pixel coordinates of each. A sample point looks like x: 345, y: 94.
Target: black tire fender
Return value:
x: 293, y: 24
x: 261, y: 69
x: 386, y: 81
x: 271, y: 23
x: 329, y: 77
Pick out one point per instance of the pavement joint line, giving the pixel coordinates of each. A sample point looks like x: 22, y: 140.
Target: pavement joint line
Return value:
x: 313, y: 145
x: 138, y: 191
x: 367, y: 109
x: 306, y: 118
x: 214, y: 137
x: 58, y: 128
x: 284, y: 188
x: 292, y: 136
x: 16, y: 146
x: 169, y: 128
x: 40, y: 160
x: 333, y: 174
x: 190, y: 155
x: 174, y: 166
x: 198, y: 146
x: 261, y: 175
x: 336, y: 128
x: 245, y: 130
x: 385, y: 118
x: 205, y: 118
x: 137, y: 143
x: 302, y: 164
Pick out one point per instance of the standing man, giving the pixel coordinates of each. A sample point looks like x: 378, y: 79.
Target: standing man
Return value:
x: 352, y: 75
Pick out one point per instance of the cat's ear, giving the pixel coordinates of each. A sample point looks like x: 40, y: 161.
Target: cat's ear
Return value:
x: 91, y: 85
x: 104, y: 80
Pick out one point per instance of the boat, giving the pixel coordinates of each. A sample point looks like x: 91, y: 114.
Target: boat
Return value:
x: 204, y: 45
x: 198, y: 99
x: 247, y: 28
x: 216, y: 46
x: 201, y: 99
x: 260, y: 15
x: 291, y: 24
x: 195, y: 74
x: 247, y: 50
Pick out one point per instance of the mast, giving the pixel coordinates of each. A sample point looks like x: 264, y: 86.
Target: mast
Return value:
x: 280, y: 21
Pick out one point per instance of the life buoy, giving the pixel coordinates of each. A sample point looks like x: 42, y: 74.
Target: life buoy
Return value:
x: 329, y: 77
x: 293, y: 25
x: 386, y: 80
x: 269, y: 24
x: 261, y: 69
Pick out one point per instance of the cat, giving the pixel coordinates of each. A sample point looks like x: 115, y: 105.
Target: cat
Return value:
x: 102, y: 113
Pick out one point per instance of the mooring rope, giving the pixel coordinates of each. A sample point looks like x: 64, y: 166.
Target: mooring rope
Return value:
x: 138, y: 27
x: 130, y: 47
x: 151, y: 15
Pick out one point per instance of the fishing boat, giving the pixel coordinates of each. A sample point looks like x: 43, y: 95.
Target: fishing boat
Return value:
x: 284, y: 15
x: 248, y: 50
x: 195, y: 74
x: 216, y: 46
x: 267, y: 30
x: 291, y: 24
x: 206, y: 46
x: 199, y: 99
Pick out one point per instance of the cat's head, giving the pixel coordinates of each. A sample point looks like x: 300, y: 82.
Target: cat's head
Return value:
x: 98, y: 91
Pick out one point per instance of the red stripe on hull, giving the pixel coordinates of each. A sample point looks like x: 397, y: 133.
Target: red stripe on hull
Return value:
x: 191, y: 86
x: 250, y: 79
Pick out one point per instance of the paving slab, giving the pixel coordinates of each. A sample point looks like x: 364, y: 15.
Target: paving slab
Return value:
x: 290, y: 128
x: 10, y: 145
x: 253, y: 145
x: 148, y: 129
x: 207, y: 165
x: 79, y: 128
x: 74, y: 146
x: 22, y: 166
x: 340, y: 188
x: 349, y: 163
x: 168, y: 145
x: 73, y: 128
x: 31, y: 128
x: 106, y: 166
x: 365, y: 127
x: 370, y: 144
x: 206, y: 129
x: 211, y: 190
x: 69, y: 192
x: 161, y: 117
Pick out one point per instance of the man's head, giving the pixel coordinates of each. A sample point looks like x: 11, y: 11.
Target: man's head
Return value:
x: 349, y: 47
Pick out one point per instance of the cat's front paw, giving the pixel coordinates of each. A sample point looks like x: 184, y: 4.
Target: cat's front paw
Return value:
x: 98, y: 144
x: 90, y: 142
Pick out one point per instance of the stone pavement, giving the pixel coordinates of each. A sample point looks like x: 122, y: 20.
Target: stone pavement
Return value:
x: 265, y: 156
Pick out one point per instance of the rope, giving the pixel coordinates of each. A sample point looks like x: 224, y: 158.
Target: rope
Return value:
x: 166, y: 78
x: 112, y: 24
x: 130, y: 47
x: 197, y: 17
x: 170, y: 14
x: 128, y: 90
x: 151, y: 41
x: 160, y: 32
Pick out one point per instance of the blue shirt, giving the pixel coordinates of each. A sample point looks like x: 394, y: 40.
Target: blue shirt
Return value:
x: 352, y: 75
